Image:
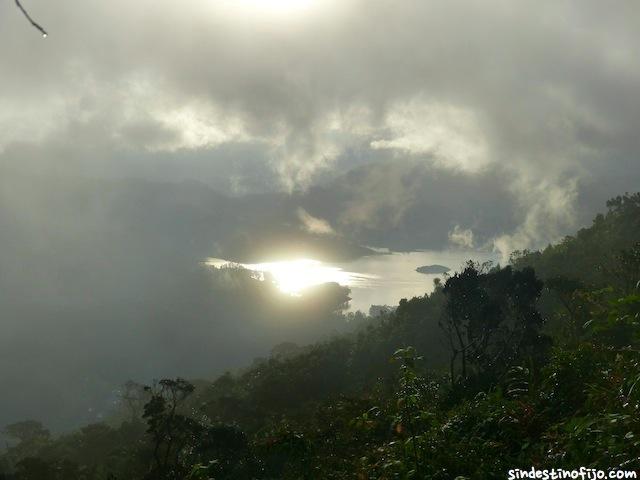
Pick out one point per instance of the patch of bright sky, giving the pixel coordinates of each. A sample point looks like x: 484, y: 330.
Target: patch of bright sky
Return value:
x: 283, y: 9
x: 294, y: 276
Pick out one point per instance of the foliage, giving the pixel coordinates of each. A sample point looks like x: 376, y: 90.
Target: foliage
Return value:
x: 491, y: 321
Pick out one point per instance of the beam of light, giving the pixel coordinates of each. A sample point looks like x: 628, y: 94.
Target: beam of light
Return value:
x: 294, y: 276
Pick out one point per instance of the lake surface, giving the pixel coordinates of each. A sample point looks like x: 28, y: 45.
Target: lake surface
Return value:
x: 381, y: 279
x: 395, y: 275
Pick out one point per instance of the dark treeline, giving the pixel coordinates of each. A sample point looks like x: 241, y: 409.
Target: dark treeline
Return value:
x: 530, y: 364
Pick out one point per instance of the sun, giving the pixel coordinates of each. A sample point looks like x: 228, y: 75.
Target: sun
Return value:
x: 294, y: 276
x: 271, y: 10
x: 276, y: 6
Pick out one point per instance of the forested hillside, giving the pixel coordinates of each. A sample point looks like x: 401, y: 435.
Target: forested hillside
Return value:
x: 535, y: 363
x: 597, y: 255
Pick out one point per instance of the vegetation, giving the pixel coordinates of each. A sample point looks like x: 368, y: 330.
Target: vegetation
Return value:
x: 533, y: 364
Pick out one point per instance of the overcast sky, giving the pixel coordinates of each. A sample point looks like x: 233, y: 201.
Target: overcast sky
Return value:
x: 274, y: 94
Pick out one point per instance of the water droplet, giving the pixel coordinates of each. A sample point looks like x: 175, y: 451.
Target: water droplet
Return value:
x: 44, y: 35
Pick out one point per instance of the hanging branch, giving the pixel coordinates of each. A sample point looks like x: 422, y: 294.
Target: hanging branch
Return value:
x: 31, y: 20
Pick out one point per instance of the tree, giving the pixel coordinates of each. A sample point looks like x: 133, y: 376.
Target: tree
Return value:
x: 30, y: 437
x: 569, y: 292
x: 468, y: 320
x: 625, y: 271
x: 33, y: 468
x: 133, y: 396
x: 169, y: 429
x: 28, y: 431
x: 491, y: 320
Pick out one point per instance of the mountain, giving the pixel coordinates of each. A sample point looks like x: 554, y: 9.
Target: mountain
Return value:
x: 433, y: 269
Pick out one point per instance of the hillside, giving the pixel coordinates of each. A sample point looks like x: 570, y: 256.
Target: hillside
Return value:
x: 593, y: 254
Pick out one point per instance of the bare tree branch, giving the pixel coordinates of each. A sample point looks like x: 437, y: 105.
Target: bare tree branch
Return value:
x: 31, y: 20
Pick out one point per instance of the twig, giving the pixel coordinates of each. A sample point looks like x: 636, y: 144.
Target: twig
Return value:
x: 31, y: 20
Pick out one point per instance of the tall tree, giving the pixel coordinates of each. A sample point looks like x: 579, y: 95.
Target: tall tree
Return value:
x: 491, y: 319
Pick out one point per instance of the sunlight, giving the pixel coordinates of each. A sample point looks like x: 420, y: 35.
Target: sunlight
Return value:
x: 279, y: 7
x: 294, y: 276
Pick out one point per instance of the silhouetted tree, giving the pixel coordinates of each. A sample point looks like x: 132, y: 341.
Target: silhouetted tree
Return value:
x: 491, y: 319
x: 169, y: 429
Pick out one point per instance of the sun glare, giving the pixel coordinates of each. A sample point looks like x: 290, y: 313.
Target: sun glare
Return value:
x: 294, y: 276
x: 276, y: 6
x: 287, y: 5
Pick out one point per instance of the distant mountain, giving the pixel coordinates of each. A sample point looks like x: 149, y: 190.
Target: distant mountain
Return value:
x: 433, y: 269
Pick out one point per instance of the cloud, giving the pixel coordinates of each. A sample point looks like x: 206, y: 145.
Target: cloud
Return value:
x: 461, y: 237
x: 460, y: 85
x: 447, y: 135
x: 311, y: 224
x: 549, y: 211
x: 380, y: 197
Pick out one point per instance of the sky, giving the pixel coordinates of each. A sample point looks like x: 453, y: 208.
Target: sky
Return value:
x: 141, y: 137
x: 255, y: 95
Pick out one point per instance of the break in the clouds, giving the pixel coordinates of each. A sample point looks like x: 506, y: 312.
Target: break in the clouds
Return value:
x: 545, y: 92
